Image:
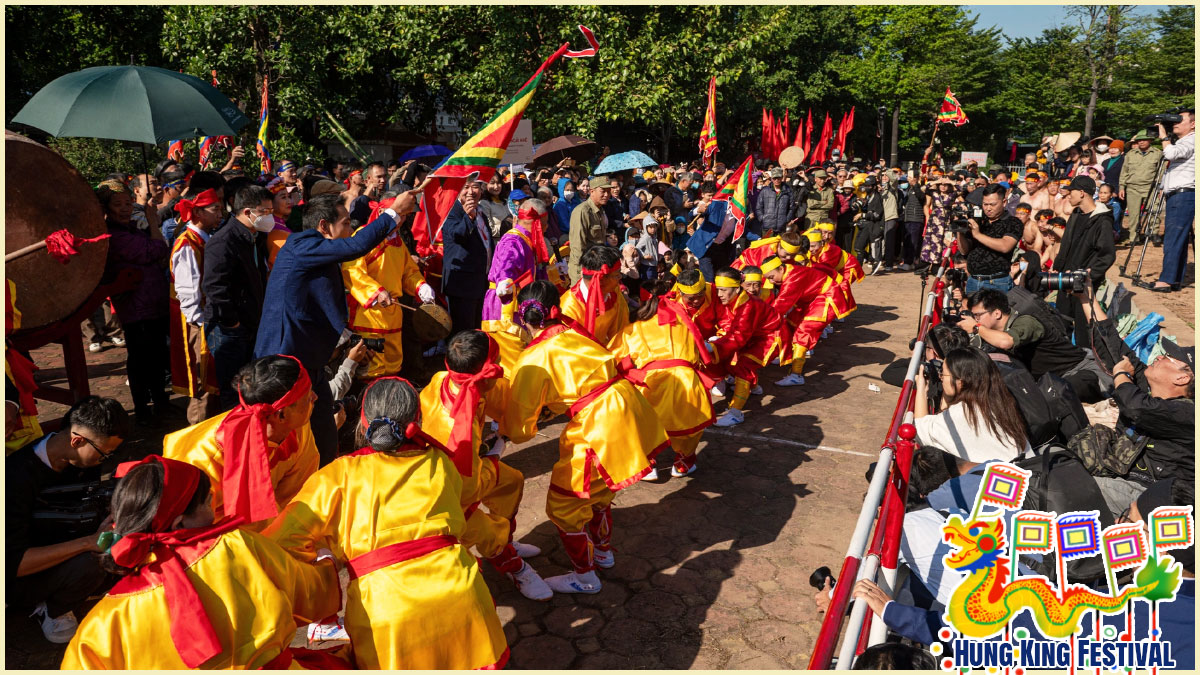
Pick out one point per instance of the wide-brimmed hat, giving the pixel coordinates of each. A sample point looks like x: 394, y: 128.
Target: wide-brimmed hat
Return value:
x: 326, y: 187
x: 1097, y: 139
x: 1065, y: 140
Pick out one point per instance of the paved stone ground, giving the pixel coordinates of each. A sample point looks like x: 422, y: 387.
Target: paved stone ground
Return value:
x: 712, y: 570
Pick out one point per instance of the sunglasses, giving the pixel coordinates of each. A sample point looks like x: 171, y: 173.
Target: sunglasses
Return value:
x: 103, y: 455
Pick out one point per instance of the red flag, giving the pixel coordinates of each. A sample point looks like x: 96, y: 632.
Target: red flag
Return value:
x: 708, y: 129
x: 772, y: 137
x: 799, y: 140
x: 764, y: 145
x: 787, y: 130
x: 846, y: 130
x: 821, y: 152
x: 808, y: 129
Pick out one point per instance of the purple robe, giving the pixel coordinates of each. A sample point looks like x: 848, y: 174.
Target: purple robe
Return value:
x: 512, y: 258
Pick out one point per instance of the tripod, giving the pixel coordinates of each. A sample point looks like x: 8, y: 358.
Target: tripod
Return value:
x: 1152, y: 209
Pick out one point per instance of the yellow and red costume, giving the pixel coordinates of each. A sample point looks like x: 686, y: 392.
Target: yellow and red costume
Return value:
x: 607, y: 445
x: 192, y: 372
x: 389, y: 266
x: 844, y: 267
x: 486, y: 480
x: 761, y: 250
x: 416, y: 598
x: 603, y: 319
x: 206, y: 597
x: 704, y: 316
x: 750, y: 334
x: 19, y: 370
x: 805, y: 300
x: 251, y: 476
x: 665, y: 356
x: 520, y: 255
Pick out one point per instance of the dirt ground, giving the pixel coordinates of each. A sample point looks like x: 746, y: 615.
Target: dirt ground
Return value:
x: 712, y: 570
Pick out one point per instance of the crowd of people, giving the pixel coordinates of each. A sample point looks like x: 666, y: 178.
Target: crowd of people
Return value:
x: 314, y: 483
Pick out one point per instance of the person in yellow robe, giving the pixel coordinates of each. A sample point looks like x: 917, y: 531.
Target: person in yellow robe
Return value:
x: 665, y: 353
x: 392, y: 511
x: 607, y: 445
x: 20, y: 416
x: 376, y: 281
x: 603, y: 315
x: 195, y: 594
x: 259, y: 454
x: 454, y: 406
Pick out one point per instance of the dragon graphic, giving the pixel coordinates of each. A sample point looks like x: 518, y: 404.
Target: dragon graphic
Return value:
x: 985, y: 601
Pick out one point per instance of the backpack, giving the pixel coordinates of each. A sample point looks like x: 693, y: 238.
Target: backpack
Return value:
x: 1065, y: 406
x: 1105, y: 452
x: 1030, y: 304
x: 1040, y: 421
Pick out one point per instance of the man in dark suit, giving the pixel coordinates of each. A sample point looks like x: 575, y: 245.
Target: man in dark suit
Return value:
x: 235, y: 276
x: 306, y: 311
x: 466, y: 256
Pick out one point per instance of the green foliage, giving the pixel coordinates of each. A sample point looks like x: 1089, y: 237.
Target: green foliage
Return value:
x: 374, y: 66
x: 95, y: 158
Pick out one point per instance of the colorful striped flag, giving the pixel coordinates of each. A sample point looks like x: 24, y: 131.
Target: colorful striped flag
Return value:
x: 708, y: 130
x: 480, y: 155
x: 206, y: 146
x: 1124, y: 546
x: 264, y: 155
x: 736, y: 193
x: 1031, y: 532
x: 1172, y: 527
x: 951, y: 110
x: 1078, y: 534
x: 175, y: 150
x: 1004, y: 485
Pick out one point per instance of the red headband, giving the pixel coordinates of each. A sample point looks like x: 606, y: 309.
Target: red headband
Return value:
x: 595, y: 302
x: 352, y: 175
x: 185, y: 206
x: 466, y: 403
x: 191, y: 630
x: 246, y: 482
x: 537, y: 233
x: 378, y: 208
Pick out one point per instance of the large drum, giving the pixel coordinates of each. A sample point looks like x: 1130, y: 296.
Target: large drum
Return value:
x: 43, y: 194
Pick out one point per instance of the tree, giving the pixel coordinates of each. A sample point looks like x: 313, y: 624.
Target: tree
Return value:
x: 1104, y: 32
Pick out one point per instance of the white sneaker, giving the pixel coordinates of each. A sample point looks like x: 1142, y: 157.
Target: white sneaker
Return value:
x: 730, y: 417
x: 604, y: 559
x: 652, y: 476
x: 95, y: 347
x: 792, y: 380
x: 676, y: 473
x: 328, y: 632
x: 757, y: 390
x: 531, y: 584
x: 117, y: 342
x: 575, y: 583
x: 58, y: 630
x: 526, y: 550
x: 718, y: 390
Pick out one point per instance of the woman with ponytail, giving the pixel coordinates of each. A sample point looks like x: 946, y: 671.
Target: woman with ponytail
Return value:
x: 392, y: 512
x: 195, y: 594
x: 663, y: 352
x: 608, y: 443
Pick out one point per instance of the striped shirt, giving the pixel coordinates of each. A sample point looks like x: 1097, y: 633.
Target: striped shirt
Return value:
x: 1182, y: 172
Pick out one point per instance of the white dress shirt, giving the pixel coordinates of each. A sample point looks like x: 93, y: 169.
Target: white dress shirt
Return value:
x: 1182, y: 172
x: 187, y: 280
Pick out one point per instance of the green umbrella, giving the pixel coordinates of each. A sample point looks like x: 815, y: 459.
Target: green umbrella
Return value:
x: 131, y: 103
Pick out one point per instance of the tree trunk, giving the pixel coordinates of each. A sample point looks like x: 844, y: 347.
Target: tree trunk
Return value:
x: 894, y: 159
x: 666, y: 141
x: 1091, y: 108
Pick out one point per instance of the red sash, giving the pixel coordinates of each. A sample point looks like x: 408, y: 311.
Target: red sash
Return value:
x: 397, y: 553
x: 592, y: 395
x: 638, y: 375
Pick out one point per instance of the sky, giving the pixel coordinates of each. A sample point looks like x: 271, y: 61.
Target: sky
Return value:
x: 1018, y: 21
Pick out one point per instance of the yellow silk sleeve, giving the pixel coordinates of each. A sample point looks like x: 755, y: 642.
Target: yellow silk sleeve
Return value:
x: 313, y: 588
x: 410, y: 272
x: 531, y: 386
x: 629, y: 343
x: 495, y: 400
x: 304, y: 525
x: 290, y: 476
x: 358, y: 279
x: 620, y: 321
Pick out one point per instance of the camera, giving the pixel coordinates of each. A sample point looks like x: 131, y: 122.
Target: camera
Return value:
x: 1168, y: 120
x: 374, y: 344
x: 955, y: 278
x: 959, y: 215
x: 64, y: 512
x: 933, y: 382
x: 1072, y: 281
x: 817, y: 578
x: 349, y: 403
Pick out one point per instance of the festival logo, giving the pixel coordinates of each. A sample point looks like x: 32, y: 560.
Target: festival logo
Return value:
x: 999, y: 620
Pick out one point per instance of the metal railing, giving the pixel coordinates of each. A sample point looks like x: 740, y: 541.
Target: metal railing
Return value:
x: 881, y: 517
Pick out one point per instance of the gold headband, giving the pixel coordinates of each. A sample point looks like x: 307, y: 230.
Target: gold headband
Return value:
x: 695, y: 289
x: 770, y: 264
x: 726, y: 282
x: 751, y: 277
x: 790, y: 248
x: 826, y: 227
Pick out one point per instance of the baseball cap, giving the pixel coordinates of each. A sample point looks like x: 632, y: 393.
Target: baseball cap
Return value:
x: 517, y: 195
x: 1085, y: 183
x: 776, y: 173
x: 1184, y: 354
x: 325, y: 187
x: 820, y: 173
x: 600, y: 183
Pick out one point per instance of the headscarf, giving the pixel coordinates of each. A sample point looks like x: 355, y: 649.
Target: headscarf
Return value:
x: 537, y: 234
x: 246, y: 482
x: 595, y: 300
x: 186, y: 206
x: 191, y: 630
x: 379, y: 207
x: 462, y: 410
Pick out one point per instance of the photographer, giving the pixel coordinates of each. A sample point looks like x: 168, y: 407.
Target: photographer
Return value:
x: 988, y: 241
x: 1040, y: 343
x: 1087, y: 244
x: 1179, y: 186
x: 356, y: 352
x: 1156, y: 429
x: 869, y: 221
x: 46, y: 572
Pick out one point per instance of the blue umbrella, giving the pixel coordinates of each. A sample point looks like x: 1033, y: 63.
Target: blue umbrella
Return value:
x: 426, y: 152
x: 625, y: 161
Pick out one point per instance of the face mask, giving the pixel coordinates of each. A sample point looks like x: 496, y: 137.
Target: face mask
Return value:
x: 568, y: 194
x: 1102, y: 147
x: 680, y: 227
x: 265, y: 223
x: 695, y: 186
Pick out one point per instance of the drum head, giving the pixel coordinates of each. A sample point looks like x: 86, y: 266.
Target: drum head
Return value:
x: 431, y: 322
x: 791, y: 157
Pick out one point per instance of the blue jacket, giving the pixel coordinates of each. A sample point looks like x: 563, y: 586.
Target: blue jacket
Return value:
x: 708, y: 230
x: 465, y: 259
x: 304, y: 311
x: 564, y: 206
